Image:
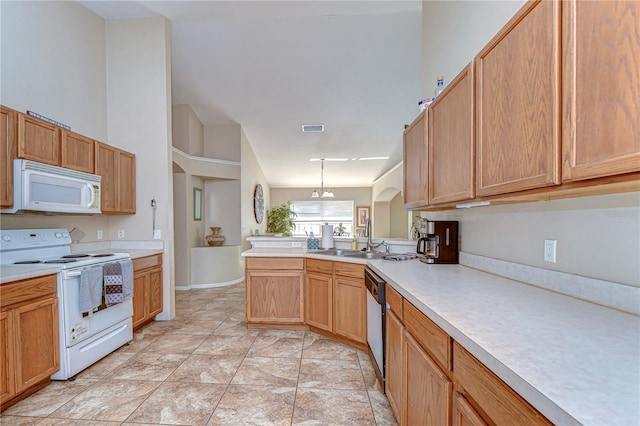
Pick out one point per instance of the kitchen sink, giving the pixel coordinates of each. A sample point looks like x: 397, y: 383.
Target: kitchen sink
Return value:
x: 349, y: 253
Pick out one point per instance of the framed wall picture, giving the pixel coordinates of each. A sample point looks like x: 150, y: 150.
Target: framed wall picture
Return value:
x: 197, y: 204
x: 362, y: 214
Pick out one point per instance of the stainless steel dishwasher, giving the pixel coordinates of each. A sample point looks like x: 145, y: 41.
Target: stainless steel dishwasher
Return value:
x: 376, y: 311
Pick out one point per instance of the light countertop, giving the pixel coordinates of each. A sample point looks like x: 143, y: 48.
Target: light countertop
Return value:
x: 576, y: 362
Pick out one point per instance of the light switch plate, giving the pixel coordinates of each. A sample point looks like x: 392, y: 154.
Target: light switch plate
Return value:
x: 157, y: 234
x: 99, y: 234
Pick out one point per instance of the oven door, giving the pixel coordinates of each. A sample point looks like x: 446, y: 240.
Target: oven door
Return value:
x: 77, y: 326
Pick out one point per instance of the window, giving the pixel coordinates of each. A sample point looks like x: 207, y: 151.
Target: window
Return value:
x: 311, y: 215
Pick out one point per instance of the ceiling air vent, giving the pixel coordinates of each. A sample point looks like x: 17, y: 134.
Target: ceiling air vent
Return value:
x: 307, y: 128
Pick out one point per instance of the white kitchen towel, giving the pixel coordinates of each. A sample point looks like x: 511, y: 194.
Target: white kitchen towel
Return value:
x: 127, y: 278
x: 327, y: 236
x: 90, y: 295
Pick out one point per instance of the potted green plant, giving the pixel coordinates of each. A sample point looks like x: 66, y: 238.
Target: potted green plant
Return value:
x: 280, y: 219
x: 341, y: 230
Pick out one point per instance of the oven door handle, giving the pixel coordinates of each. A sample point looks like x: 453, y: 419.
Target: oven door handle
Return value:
x: 73, y: 274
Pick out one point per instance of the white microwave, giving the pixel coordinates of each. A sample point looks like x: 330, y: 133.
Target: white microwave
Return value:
x: 49, y: 189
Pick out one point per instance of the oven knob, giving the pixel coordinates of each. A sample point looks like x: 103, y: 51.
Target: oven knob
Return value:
x: 65, y: 234
x: 58, y: 235
x: 6, y: 238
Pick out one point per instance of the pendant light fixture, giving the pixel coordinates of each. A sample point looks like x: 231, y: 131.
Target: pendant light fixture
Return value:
x: 326, y: 193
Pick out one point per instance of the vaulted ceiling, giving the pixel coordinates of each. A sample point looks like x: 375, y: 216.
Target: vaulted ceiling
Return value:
x: 272, y: 66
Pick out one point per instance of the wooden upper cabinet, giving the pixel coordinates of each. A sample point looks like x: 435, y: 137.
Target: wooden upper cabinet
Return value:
x: 118, y: 186
x: 601, y: 89
x: 127, y: 182
x: 518, y: 103
x: 38, y: 140
x: 451, y: 142
x: 78, y: 152
x: 415, y: 163
x: 107, y: 167
x: 8, y: 151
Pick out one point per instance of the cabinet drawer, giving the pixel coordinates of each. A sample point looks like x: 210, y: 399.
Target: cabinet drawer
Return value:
x: 29, y: 289
x: 501, y: 403
x: 320, y: 266
x: 147, y: 262
x: 431, y: 337
x: 394, y: 300
x: 353, y: 270
x: 275, y: 263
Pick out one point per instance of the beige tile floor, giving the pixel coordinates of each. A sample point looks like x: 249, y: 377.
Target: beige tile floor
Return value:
x: 206, y: 368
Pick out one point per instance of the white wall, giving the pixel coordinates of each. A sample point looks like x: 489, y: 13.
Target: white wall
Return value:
x: 223, y: 142
x: 222, y: 208
x: 596, y: 237
x: 53, y: 63
x: 252, y: 175
x: 139, y: 121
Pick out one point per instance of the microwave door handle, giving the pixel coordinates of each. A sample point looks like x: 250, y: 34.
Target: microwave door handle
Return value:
x: 92, y: 195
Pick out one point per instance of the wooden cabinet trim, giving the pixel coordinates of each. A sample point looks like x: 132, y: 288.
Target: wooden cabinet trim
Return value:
x: 146, y: 262
x: 350, y: 270
x: 415, y: 160
x: 319, y: 266
x: 275, y: 263
x: 394, y: 364
x: 427, y: 333
x: 29, y: 289
x: 501, y: 403
x: 9, y: 151
x: 464, y: 414
x: 394, y: 300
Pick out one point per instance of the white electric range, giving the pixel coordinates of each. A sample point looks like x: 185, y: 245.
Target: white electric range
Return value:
x: 85, y: 337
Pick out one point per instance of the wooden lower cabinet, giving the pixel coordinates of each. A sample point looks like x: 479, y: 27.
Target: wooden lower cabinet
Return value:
x: 336, y: 300
x: 318, y: 306
x: 28, y: 337
x: 350, y: 308
x: 274, y: 291
x: 147, y: 289
x: 394, y: 378
x: 427, y: 390
x: 464, y: 414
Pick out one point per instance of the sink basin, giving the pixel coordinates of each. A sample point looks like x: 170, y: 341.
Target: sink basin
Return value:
x: 358, y: 254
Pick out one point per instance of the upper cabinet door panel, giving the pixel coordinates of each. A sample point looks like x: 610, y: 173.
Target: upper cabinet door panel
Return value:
x: 38, y: 140
x: 8, y: 152
x: 451, y: 142
x: 415, y: 163
x: 601, y: 88
x: 518, y: 103
x: 77, y: 152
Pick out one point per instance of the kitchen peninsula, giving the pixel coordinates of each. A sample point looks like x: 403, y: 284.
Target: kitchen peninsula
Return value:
x: 574, y: 361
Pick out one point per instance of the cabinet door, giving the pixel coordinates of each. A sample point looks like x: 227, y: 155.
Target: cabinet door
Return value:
x: 451, y: 142
x: 427, y: 390
x: 37, y: 352
x: 154, y: 295
x: 319, y: 297
x: 601, y: 89
x: 127, y: 182
x: 78, y: 152
x: 275, y: 296
x: 139, y: 298
x: 350, y: 309
x: 38, y: 140
x: 8, y: 151
x: 394, y: 378
x: 464, y: 414
x: 7, y: 363
x: 415, y: 163
x: 517, y: 103
x: 107, y: 167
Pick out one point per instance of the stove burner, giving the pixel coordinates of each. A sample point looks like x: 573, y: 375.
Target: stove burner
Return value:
x: 27, y: 262
x: 61, y: 261
x: 103, y: 255
x: 74, y: 256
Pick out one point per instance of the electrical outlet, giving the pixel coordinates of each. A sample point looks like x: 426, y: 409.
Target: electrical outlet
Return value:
x: 99, y: 234
x: 157, y: 234
x: 550, y: 251
x: 296, y: 244
x: 120, y: 233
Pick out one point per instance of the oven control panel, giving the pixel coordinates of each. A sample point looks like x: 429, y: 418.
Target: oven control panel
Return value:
x: 20, y: 239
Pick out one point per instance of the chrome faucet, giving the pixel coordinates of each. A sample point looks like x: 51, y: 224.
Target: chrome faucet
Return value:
x: 369, y: 234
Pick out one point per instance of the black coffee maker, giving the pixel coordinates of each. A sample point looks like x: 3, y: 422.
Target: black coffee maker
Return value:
x: 440, y: 243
